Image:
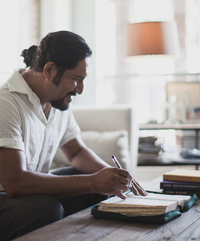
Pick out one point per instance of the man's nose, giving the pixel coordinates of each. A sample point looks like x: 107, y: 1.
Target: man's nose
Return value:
x: 79, y: 88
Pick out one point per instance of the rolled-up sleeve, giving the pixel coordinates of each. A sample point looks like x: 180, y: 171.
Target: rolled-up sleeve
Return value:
x: 10, y: 126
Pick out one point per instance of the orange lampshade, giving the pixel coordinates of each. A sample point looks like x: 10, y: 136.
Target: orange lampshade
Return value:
x: 152, y: 38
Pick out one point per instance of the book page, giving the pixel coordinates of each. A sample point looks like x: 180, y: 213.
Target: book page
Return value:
x: 154, y: 199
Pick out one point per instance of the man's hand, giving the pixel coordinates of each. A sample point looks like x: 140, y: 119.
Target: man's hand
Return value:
x: 111, y: 181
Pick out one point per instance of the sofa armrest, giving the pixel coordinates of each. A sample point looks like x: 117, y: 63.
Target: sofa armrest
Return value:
x: 114, y: 130
x: 116, y: 118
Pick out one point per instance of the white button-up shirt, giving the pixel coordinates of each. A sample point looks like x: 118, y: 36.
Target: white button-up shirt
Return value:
x: 24, y: 126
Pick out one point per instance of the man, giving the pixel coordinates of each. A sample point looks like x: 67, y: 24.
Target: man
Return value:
x: 35, y: 119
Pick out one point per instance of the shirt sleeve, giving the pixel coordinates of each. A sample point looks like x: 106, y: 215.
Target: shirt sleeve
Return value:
x: 72, y: 129
x: 10, y: 126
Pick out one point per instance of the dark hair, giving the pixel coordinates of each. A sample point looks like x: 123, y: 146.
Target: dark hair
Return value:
x: 64, y: 48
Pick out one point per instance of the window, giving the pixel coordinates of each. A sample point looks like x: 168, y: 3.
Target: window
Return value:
x: 193, y: 36
x: 19, y: 30
x: 142, y: 82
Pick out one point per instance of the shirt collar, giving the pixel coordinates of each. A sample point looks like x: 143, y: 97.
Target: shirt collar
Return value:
x: 16, y: 83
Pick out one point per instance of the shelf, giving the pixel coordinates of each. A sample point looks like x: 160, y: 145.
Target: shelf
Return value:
x: 169, y: 126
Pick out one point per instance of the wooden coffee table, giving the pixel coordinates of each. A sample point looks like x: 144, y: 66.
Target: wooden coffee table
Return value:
x: 83, y: 226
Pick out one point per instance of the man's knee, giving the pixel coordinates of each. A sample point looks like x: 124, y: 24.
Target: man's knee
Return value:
x: 29, y: 213
x: 46, y: 208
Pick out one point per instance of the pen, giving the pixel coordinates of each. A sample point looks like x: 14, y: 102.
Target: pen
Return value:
x: 133, y: 182
x: 119, y: 166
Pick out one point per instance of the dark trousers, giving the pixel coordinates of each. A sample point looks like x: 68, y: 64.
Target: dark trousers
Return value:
x: 22, y: 215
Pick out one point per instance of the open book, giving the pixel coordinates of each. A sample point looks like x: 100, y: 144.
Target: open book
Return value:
x: 153, y: 204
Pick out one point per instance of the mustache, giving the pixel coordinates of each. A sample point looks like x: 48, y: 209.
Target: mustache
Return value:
x: 74, y: 93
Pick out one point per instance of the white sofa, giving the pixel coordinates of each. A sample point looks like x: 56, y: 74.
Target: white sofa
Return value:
x: 107, y: 131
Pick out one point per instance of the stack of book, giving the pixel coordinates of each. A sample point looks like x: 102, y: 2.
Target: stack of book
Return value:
x: 148, y: 149
x: 181, y: 182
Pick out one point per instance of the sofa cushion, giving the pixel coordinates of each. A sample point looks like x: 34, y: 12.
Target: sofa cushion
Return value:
x: 104, y: 144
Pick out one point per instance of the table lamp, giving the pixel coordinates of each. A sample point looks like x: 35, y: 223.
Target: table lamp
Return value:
x: 152, y: 38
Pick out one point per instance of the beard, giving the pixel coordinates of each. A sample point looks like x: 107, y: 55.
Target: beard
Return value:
x: 59, y: 103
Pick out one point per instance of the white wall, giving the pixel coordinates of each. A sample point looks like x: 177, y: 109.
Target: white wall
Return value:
x: 77, y: 16
x: 54, y: 15
x: 83, y: 23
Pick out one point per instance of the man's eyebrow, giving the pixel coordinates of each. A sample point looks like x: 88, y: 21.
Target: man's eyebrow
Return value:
x: 79, y: 76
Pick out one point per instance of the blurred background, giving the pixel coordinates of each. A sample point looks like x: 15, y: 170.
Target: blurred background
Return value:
x: 163, y: 88
x: 146, y: 82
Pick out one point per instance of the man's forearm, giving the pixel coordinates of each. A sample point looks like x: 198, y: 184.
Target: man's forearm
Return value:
x: 17, y: 181
x: 86, y: 161
x: 107, y: 181
x: 31, y: 183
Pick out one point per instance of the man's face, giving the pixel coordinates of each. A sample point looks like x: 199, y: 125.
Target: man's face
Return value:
x: 71, y: 84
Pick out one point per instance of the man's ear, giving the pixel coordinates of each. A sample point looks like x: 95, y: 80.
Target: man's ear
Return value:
x: 49, y: 70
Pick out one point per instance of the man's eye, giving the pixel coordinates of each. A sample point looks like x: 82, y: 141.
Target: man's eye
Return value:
x: 78, y: 80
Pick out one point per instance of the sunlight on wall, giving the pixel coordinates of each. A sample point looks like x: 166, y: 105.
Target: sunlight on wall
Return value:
x: 162, y: 12
x: 105, y: 50
x: 19, y: 30
x: 193, y: 36
x: 109, y: 38
x: 9, y: 22
x: 153, y: 64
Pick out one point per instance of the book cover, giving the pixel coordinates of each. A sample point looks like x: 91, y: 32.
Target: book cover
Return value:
x: 153, y: 204
x: 173, y: 185
x: 182, y: 175
x: 180, y: 192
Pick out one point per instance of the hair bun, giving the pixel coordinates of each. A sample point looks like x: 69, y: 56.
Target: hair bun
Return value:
x: 29, y: 55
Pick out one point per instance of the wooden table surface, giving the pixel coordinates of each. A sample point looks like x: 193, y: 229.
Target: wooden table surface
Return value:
x: 83, y: 226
